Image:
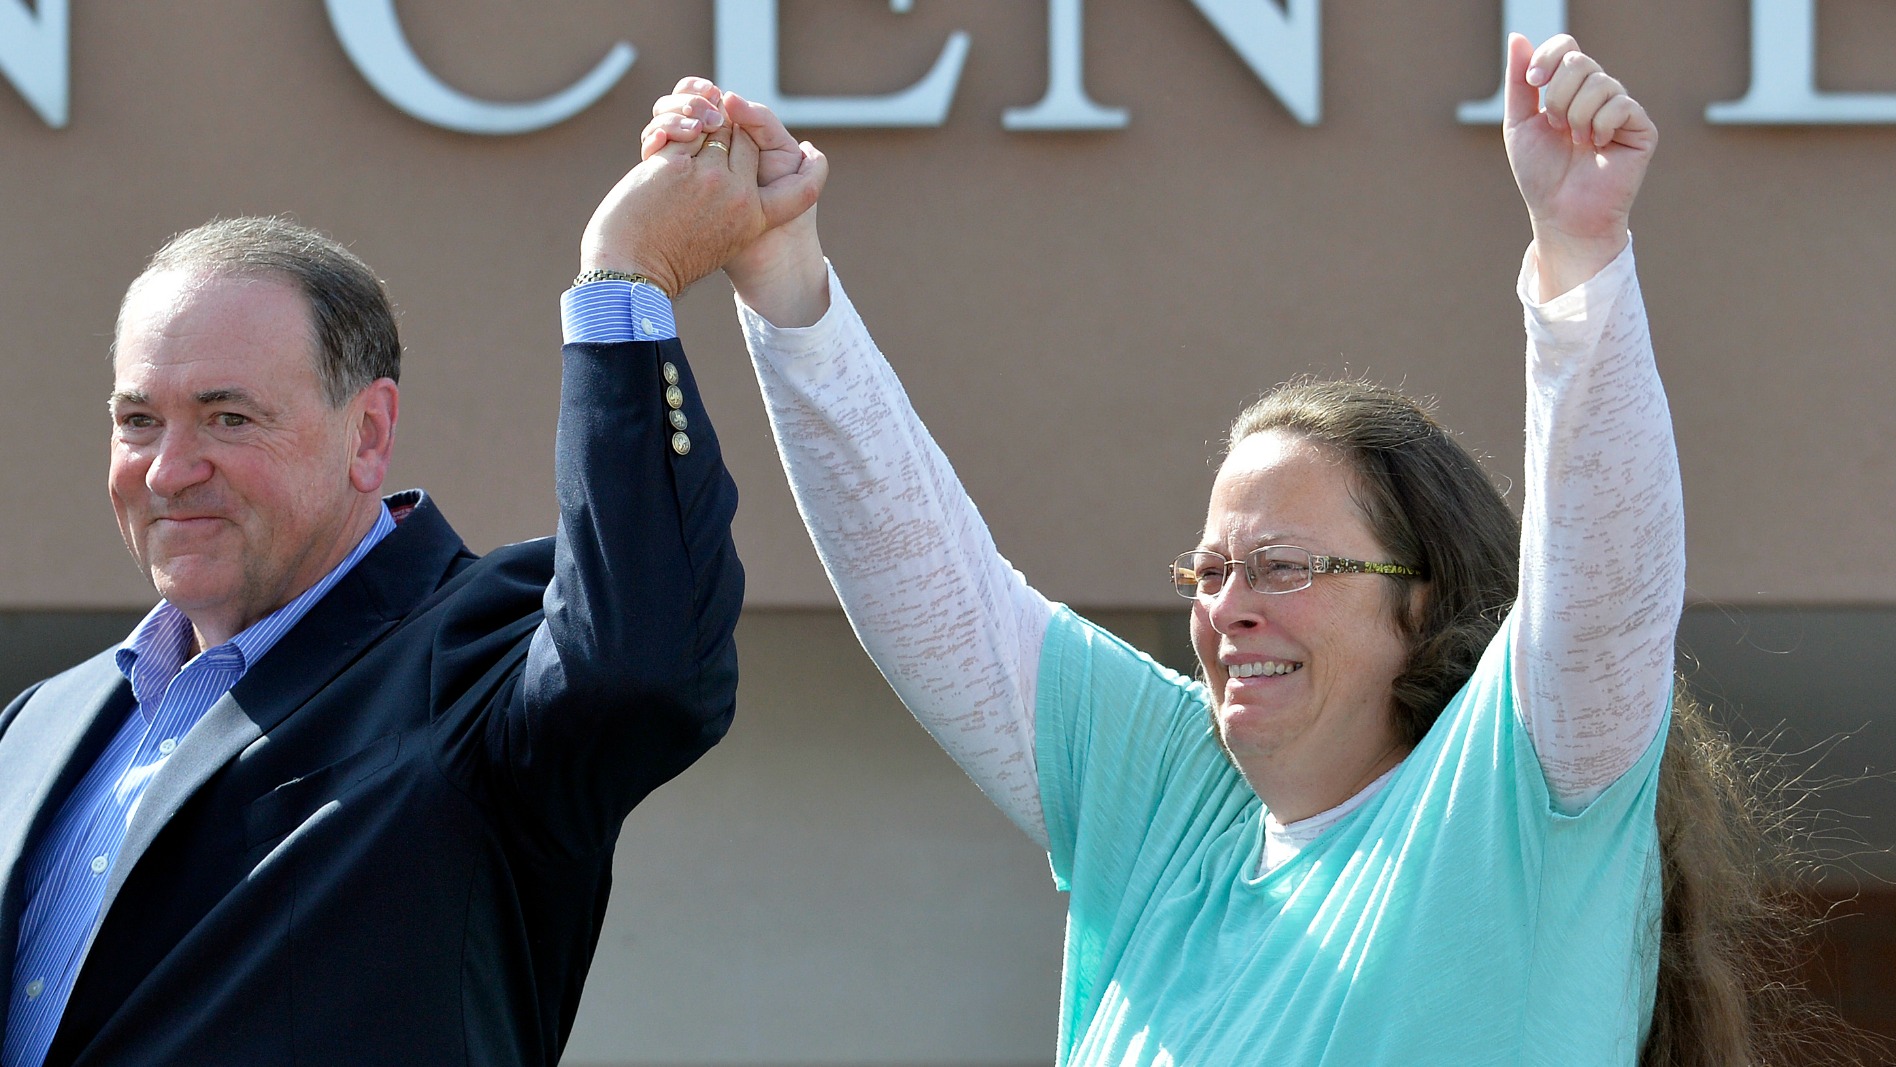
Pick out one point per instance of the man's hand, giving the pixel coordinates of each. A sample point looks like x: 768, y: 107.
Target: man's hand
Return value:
x: 1578, y: 162
x: 781, y: 275
x: 688, y: 207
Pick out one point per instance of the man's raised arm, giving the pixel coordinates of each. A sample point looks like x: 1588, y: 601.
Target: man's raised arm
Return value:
x: 632, y: 674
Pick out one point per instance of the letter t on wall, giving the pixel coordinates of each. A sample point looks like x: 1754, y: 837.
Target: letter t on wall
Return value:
x: 1066, y: 105
x: 36, y: 56
x: 1535, y: 20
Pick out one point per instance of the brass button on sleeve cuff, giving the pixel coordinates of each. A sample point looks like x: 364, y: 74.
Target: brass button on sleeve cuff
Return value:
x: 674, y: 397
x: 681, y: 444
x: 678, y: 420
x: 670, y: 371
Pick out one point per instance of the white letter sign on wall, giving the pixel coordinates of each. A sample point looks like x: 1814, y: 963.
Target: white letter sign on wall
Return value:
x: 1784, y: 75
x: 36, y: 55
x: 1535, y: 20
x: 746, y: 62
x: 372, y: 36
x: 1281, y: 44
x: 1066, y: 105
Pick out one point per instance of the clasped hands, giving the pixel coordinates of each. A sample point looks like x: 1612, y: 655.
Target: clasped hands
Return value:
x: 717, y: 174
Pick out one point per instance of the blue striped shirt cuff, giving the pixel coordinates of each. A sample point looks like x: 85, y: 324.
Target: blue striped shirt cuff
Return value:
x: 610, y: 311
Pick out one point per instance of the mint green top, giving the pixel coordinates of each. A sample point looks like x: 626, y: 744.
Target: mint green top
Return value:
x: 1455, y: 918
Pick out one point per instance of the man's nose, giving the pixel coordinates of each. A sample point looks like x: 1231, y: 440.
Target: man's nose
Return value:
x: 177, y: 464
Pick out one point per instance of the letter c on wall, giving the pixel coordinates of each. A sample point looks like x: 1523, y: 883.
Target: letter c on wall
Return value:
x: 372, y: 36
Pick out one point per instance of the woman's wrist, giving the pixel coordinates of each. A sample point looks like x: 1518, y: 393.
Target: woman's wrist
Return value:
x: 783, y: 276
x: 1563, y: 261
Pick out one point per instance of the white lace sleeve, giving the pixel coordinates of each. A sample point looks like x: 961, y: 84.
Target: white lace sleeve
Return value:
x: 954, y: 628
x: 1603, y: 535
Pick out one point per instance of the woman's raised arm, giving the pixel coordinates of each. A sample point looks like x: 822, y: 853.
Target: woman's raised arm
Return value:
x: 1603, y: 541
x: 954, y: 628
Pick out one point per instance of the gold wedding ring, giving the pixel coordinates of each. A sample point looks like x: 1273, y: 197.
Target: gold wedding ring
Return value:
x: 719, y: 145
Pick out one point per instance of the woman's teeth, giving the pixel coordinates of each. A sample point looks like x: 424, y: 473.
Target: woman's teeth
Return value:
x: 1269, y: 666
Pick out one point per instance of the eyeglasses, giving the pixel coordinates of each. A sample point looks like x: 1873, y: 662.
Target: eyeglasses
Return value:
x: 1270, y: 569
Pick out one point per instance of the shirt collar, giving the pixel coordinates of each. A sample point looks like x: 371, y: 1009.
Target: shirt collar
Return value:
x: 160, y: 646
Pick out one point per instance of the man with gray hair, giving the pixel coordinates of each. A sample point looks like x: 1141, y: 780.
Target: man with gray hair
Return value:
x: 349, y: 794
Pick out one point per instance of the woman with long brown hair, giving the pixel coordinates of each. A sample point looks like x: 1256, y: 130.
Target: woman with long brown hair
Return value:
x: 1406, y: 812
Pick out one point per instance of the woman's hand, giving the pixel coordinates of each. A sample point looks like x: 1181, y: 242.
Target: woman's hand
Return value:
x: 1578, y: 161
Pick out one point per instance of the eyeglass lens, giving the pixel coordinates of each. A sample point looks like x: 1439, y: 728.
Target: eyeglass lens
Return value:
x: 1271, y: 569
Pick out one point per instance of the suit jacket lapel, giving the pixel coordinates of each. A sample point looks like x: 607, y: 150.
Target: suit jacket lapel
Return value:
x: 369, y: 601
x: 46, y: 750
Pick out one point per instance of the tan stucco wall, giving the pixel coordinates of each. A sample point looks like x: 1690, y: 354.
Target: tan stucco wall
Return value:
x: 1077, y: 314
x: 825, y: 887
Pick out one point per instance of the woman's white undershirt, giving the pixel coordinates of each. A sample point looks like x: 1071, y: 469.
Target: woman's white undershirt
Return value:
x: 957, y: 630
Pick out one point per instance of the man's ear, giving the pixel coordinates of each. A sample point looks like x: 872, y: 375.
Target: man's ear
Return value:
x: 372, y: 419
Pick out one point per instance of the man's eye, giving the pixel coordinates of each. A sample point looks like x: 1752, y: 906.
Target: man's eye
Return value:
x: 137, y: 421
x: 230, y: 420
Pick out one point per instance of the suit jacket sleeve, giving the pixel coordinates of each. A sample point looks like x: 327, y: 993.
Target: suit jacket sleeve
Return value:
x: 632, y: 672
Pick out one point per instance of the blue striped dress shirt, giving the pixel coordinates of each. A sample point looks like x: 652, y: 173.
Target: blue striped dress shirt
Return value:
x: 66, y: 878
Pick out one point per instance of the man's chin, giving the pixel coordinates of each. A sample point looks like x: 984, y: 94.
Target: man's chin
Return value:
x: 190, y: 587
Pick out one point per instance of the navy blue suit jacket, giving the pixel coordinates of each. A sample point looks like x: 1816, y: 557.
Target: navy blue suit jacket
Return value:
x: 391, y: 842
